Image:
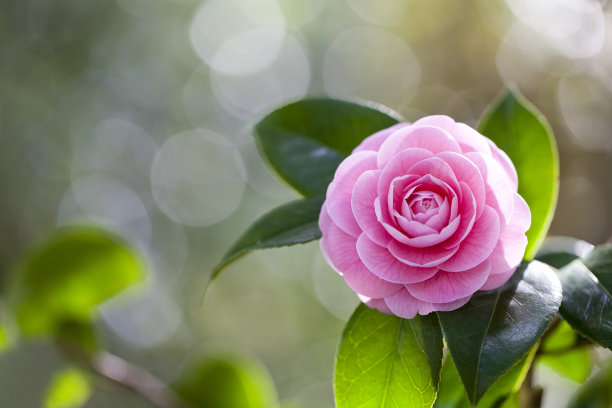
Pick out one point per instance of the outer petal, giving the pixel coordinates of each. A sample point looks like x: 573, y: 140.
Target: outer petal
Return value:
x: 502, y: 158
x: 429, y: 138
x: 378, y: 304
x: 446, y: 287
x: 338, y: 198
x: 512, y: 241
x: 404, y: 305
x: 339, y: 249
x: 465, y: 170
x: 499, y: 192
x: 373, y: 142
x: 470, y: 140
x: 478, y: 245
x: 445, y: 307
x: 381, y: 263
x: 498, y: 279
x: 442, y: 121
x: 362, y: 203
x: 420, y: 257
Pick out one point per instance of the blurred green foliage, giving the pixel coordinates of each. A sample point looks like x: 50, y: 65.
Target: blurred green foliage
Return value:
x: 61, y: 282
x: 69, y: 388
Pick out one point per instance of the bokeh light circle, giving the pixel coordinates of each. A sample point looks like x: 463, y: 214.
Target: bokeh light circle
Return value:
x: 373, y: 64
x: 198, y: 178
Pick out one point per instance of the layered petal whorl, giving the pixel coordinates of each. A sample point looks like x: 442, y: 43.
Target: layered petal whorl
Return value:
x: 420, y: 216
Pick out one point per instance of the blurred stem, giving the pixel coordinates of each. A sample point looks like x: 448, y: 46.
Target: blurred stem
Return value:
x: 124, y: 374
x: 530, y: 396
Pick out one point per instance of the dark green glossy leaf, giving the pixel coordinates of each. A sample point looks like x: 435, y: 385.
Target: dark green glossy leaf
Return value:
x: 496, y: 328
x: 452, y: 393
x: 560, y: 251
x: 521, y: 131
x: 385, y: 361
x: 596, y: 392
x: 227, y: 382
x: 65, y: 278
x: 557, y: 352
x: 587, y: 299
x: 289, y: 224
x: 304, y: 142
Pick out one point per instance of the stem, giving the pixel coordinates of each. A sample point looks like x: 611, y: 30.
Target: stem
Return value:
x: 122, y: 373
x: 530, y: 396
x: 134, y: 378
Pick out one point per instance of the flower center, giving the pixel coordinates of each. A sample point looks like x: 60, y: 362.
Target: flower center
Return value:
x: 422, y: 205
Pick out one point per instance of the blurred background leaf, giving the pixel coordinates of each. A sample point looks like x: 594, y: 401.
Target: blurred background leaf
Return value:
x: 227, y: 382
x: 69, y: 388
x: 60, y: 283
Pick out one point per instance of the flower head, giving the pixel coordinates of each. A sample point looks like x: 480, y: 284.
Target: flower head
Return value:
x: 420, y: 216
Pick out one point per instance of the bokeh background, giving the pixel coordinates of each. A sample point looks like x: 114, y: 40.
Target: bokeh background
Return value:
x: 135, y: 114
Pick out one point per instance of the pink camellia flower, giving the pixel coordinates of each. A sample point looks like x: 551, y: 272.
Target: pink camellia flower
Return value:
x: 420, y: 216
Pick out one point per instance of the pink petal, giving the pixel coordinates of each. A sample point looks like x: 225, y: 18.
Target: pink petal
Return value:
x: 510, y: 248
x: 439, y: 220
x: 445, y: 307
x: 468, y: 218
x: 465, y: 170
x: 338, y: 198
x: 415, y: 228
x: 429, y: 138
x: 498, y: 279
x: 478, y: 245
x: 324, y: 220
x: 362, y: 203
x: 397, y: 167
x: 499, y: 191
x: 441, y: 121
x: 403, y: 304
x: 420, y: 257
x: 470, y: 140
x: 378, y: 304
x: 502, y: 158
x: 339, y: 249
x: 374, y: 141
x: 432, y: 238
x: 449, y: 286
x: 438, y: 168
x: 380, y: 262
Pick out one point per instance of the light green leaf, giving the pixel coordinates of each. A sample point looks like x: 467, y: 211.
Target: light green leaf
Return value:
x: 292, y: 223
x: 69, y: 388
x: 66, y: 277
x: 304, y: 142
x: 574, y: 364
x: 496, y: 328
x: 520, y: 130
x: 227, y: 382
x: 587, y: 295
x: 385, y: 361
x: 452, y: 394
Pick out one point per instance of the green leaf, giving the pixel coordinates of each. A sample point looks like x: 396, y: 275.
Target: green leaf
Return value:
x: 227, y: 382
x: 69, y: 388
x: 496, y: 328
x: 65, y: 278
x: 558, y: 354
x: 452, y: 393
x: 596, y: 392
x: 521, y: 131
x: 587, y: 299
x: 384, y: 361
x: 304, y: 142
x: 560, y: 251
x: 293, y: 223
